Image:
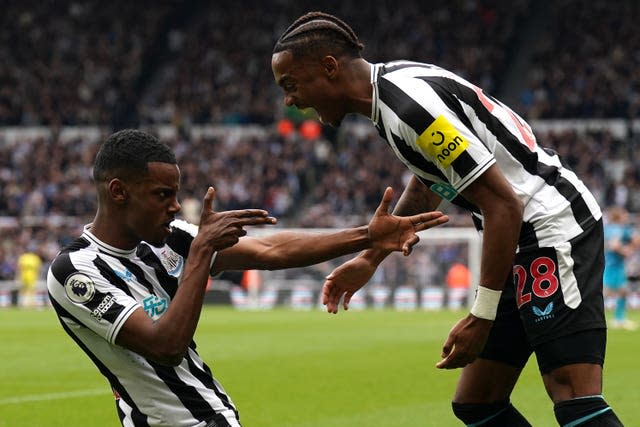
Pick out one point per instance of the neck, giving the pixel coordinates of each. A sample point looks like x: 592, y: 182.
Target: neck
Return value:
x: 109, y: 230
x: 360, y: 91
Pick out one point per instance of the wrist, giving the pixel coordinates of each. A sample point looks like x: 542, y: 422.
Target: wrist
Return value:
x: 375, y: 256
x: 485, y: 306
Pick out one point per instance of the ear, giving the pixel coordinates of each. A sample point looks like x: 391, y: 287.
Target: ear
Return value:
x: 118, y: 190
x: 331, y: 66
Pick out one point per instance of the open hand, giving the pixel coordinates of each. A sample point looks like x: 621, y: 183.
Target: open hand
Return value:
x: 397, y: 233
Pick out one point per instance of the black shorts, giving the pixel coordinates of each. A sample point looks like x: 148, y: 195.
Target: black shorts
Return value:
x: 553, y: 305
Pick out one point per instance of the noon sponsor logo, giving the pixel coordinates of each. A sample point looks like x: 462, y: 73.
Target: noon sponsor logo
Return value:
x: 442, y: 141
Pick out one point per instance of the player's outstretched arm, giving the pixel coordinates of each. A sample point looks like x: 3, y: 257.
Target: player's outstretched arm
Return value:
x: 290, y: 249
x: 348, y: 278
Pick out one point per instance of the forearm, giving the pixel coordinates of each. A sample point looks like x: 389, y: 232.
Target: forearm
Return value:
x: 416, y: 198
x: 299, y: 249
x: 177, y: 326
x: 500, y: 240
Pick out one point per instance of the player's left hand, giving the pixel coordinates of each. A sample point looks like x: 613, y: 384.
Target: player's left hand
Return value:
x: 465, y: 342
x: 344, y: 281
x: 396, y: 233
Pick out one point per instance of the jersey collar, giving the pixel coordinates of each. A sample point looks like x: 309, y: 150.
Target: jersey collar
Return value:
x: 104, y: 247
x: 375, y: 73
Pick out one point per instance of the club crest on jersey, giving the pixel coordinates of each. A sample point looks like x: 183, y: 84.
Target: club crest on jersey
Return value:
x: 79, y: 288
x: 171, y: 261
x: 442, y: 141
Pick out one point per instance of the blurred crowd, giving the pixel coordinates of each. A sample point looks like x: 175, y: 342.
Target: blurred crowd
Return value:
x: 125, y: 63
x: 586, y: 64
x: 46, y: 193
x: 167, y: 62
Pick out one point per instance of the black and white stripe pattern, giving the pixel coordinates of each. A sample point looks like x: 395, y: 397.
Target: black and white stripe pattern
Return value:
x: 94, y: 288
x: 413, y: 101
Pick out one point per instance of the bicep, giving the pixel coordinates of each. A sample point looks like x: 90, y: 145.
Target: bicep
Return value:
x: 491, y: 190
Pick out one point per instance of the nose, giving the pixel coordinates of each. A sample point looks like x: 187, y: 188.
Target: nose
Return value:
x: 175, y: 206
x: 288, y: 100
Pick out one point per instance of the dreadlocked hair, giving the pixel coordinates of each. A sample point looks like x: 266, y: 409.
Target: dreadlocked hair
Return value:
x: 319, y: 32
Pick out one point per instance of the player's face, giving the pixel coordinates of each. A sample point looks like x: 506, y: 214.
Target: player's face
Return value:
x: 308, y: 84
x: 153, y: 204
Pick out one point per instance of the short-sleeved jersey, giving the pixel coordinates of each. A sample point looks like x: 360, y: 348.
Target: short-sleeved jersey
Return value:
x: 614, y: 267
x: 94, y: 288
x: 448, y: 132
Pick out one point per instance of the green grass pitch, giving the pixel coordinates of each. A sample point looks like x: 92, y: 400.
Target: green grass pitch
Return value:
x: 287, y: 369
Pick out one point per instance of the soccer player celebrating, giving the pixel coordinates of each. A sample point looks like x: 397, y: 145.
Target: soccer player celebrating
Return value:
x: 540, y: 286
x: 129, y: 291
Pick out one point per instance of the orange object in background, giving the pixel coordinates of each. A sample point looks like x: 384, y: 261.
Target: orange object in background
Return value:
x: 310, y: 129
x: 458, y: 276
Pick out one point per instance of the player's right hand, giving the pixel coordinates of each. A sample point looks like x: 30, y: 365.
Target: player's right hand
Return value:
x: 223, y: 229
x: 466, y: 340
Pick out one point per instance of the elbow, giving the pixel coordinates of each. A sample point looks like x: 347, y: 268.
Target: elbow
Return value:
x: 172, y: 361
x: 518, y: 208
x: 513, y: 212
x: 169, y: 354
x: 168, y: 359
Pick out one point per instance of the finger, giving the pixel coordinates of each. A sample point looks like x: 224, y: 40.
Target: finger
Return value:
x: 247, y: 213
x: 431, y: 223
x: 256, y: 220
x: 383, y: 208
x: 446, y: 363
x: 347, y: 300
x: 407, y: 248
x: 448, y: 355
x: 326, y: 290
x: 207, y: 203
x: 447, y: 347
x: 334, y: 299
x: 424, y: 217
x: 327, y: 299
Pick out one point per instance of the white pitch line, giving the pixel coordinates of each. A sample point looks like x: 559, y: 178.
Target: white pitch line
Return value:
x: 53, y: 396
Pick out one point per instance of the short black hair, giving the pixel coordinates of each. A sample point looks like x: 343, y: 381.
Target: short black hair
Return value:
x: 319, y: 32
x: 126, y: 154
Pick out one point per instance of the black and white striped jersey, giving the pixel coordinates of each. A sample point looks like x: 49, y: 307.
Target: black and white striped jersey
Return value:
x: 448, y: 132
x: 94, y: 288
